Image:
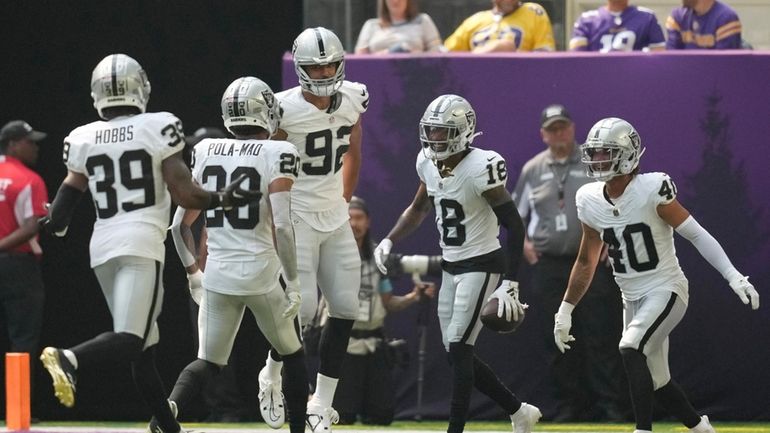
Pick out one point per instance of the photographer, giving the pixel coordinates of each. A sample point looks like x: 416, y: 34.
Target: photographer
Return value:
x: 365, y: 388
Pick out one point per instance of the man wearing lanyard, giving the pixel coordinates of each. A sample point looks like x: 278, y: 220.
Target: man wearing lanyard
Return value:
x: 23, y: 197
x: 545, y: 196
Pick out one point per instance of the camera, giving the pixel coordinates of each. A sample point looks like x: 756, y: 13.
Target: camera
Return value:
x: 399, y: 264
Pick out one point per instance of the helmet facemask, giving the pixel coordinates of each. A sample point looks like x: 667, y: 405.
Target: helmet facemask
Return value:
x: 447, y: 127
x: 613, y: 148
x: 318, y: 47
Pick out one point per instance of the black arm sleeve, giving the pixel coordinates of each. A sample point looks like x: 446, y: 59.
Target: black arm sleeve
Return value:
x: 62, y: 208
x: 508, y: 216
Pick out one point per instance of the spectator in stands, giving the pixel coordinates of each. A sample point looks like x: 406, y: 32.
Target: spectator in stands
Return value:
x: 509, y: 26
x: 617, y: 26
x: 703, y: 24
x: 398, y: 28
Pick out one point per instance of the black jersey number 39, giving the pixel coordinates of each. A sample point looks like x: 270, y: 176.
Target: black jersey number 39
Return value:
x: 103, y: 167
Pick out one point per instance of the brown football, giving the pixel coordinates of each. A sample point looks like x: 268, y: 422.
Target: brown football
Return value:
x: 498, y: 324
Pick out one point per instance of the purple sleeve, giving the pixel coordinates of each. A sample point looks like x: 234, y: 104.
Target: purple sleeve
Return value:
x: 728, y: 31
x: 581, y: 33
x: 674, y: 41
x: 656, y: 33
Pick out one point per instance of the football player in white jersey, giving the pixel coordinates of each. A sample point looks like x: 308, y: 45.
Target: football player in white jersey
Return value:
x: 246, y: 266
x: 322, y: 118
x: 130, y: 162
x: 466, y: 186
x: 636, y: 215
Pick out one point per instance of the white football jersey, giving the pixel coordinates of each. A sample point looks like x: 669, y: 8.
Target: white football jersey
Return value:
x: 243, y: 234
x: 322, y: 137
x: 122, y: 159
x: 641, y: 244
x: 467, y: 225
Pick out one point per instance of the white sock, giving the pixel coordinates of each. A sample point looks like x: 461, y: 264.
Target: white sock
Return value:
x: 324, y: 391
x: 642, y: 431
x: 273, y: 369
x: 71, y: 357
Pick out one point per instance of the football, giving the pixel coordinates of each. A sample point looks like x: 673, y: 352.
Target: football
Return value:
x: 498, y: 324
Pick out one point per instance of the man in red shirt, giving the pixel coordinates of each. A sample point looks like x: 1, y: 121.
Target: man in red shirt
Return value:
x: 23, y: 196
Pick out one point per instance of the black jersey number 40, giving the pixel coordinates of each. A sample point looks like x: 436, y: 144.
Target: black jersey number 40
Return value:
x: 633, y: 252
x: 667, y: 189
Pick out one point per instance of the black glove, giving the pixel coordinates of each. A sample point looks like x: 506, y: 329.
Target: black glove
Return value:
x: 45, y: 225
x: 234, y: 196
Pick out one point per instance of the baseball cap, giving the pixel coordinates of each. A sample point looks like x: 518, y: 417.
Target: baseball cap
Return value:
x: 18, y: 129
x: 358, y: 203
x: 554, y: 113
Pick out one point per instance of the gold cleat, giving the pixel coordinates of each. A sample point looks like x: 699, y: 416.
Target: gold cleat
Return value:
x: 62, y: 373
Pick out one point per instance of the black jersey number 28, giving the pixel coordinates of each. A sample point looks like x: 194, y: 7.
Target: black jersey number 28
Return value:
x: 216, y: 218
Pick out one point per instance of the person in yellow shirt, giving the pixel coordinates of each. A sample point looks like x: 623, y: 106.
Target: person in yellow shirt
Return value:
x: 509, y: 26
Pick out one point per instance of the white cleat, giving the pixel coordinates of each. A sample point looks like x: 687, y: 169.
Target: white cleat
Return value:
x: 271, y: 401
x: 704, y: 426
x: 525, y: 418
x: 320, y: 419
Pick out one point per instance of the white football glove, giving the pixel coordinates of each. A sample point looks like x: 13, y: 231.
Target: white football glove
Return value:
x: 561, y: 326
x: 508, y: 300
x: 746, y: 291
x: 294, y: 299
x: 196, y: 286
x: 381, y: 254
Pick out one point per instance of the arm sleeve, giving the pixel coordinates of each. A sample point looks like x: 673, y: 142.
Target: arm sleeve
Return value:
x: 284, y: 233
x: 62, y: 208
x: 708, y: 247
x: 579, y: 39
x: 655, y: 35
x: 544, y: 38
x: 185, y: 255
x: 728, y: 35
x: 509, y: 218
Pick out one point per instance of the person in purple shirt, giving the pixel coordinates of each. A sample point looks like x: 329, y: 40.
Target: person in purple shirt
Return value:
x: 703, y: 24
x: 617, y: 26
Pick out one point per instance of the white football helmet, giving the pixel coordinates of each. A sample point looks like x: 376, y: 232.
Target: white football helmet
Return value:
x: 318, y: 46
x: 118, y: 80
x: 618, y: 142
x: 249, y: 101
x: 447, y: 127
